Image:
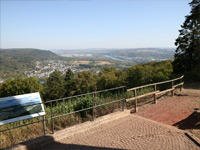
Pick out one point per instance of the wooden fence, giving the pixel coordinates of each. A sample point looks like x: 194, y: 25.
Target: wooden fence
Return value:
x: 155, y: 92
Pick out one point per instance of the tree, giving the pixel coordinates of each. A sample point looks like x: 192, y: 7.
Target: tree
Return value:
x: 55, y: 86
x: 19, y: 85
x: 69, y: 75
x: 187, y: 55
x: 138, y: 75
x: 148, y: 73
x: 109, y: 77
x: 69, y: 83
x: 84, y: 82
x: 163, y: 72
x: 107, y: 80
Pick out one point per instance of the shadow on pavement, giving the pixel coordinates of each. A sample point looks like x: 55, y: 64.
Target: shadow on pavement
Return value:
x: 191, y: 122
x: 56, y: 145
x: 180, y: 94
x: 48, y: 143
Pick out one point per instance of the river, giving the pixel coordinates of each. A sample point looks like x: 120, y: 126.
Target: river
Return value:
x: 114, y: 58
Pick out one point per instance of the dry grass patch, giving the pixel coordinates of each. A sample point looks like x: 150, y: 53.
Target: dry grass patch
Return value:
x: 102, y: 63
x: 80, y: 62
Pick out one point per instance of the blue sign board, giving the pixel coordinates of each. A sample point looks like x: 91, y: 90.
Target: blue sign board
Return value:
x: 20, y: 107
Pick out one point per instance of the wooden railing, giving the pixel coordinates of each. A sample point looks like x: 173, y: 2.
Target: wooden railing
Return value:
x: 155, y: 92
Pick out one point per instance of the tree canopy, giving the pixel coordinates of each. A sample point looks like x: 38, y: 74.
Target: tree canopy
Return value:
x: 59, y: 85
x: 55, y: 86
x: 20, y: 85
x: 187, y: 55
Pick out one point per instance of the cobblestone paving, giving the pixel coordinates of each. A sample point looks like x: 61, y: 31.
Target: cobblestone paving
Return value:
x: 130, y: 132
x: 171, y: 110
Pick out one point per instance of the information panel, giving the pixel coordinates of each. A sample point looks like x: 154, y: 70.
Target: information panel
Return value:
x: 20, y: 107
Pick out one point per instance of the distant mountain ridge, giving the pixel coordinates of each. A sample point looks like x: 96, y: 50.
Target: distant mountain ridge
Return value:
x: 104, y: 50
x: 137, y: 55
x: 36, y: 53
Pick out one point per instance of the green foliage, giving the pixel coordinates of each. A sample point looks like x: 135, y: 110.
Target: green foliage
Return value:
x: 162, y: 71
x: 60, y: 108
x: 109, y: 78
x: 69, y: 83
x: 84, y: 82
x: 55, y: 86
x: 148, y: 73
x: 187, y: 55
x: 69, y: 75
x: 59, y: 86
x: 19, y: 86
x: 82, y: 103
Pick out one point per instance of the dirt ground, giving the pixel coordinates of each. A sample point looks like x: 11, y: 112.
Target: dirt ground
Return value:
x: 178, y: 110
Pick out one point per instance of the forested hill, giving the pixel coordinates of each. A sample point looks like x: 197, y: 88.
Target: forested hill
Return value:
x: 15, y: 61
x: 30, y: 54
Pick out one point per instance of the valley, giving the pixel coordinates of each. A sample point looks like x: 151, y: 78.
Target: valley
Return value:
x: 41, y: 63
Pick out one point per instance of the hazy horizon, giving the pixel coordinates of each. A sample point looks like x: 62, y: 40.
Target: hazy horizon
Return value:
x: 95, y: 48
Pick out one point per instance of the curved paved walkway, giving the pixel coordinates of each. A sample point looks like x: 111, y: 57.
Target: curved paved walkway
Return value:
x: 128, y: 132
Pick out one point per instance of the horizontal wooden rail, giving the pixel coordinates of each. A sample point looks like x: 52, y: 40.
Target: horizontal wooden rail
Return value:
x: 141, y: 96
x: 155, y: 92
x: 165, y: 91
x: 180, y: 84
x: 152, y: 84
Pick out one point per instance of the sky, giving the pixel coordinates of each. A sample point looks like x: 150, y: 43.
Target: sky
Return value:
x: 82, y: 24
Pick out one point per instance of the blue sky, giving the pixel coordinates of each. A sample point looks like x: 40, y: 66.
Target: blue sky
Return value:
x: 80, y: 24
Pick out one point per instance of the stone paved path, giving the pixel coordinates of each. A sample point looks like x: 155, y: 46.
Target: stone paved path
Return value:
x: 171, y: 110
x: 176, y: 111
x: 129, y: 132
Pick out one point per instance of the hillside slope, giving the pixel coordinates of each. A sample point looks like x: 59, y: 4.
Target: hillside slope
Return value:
x: 14, y: 61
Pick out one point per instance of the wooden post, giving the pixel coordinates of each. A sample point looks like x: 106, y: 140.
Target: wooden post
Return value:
x: 172, y: 88
x: 181, y: 85
x: 155, y: 98
x: 123, y: 99
x: 135, y: 94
